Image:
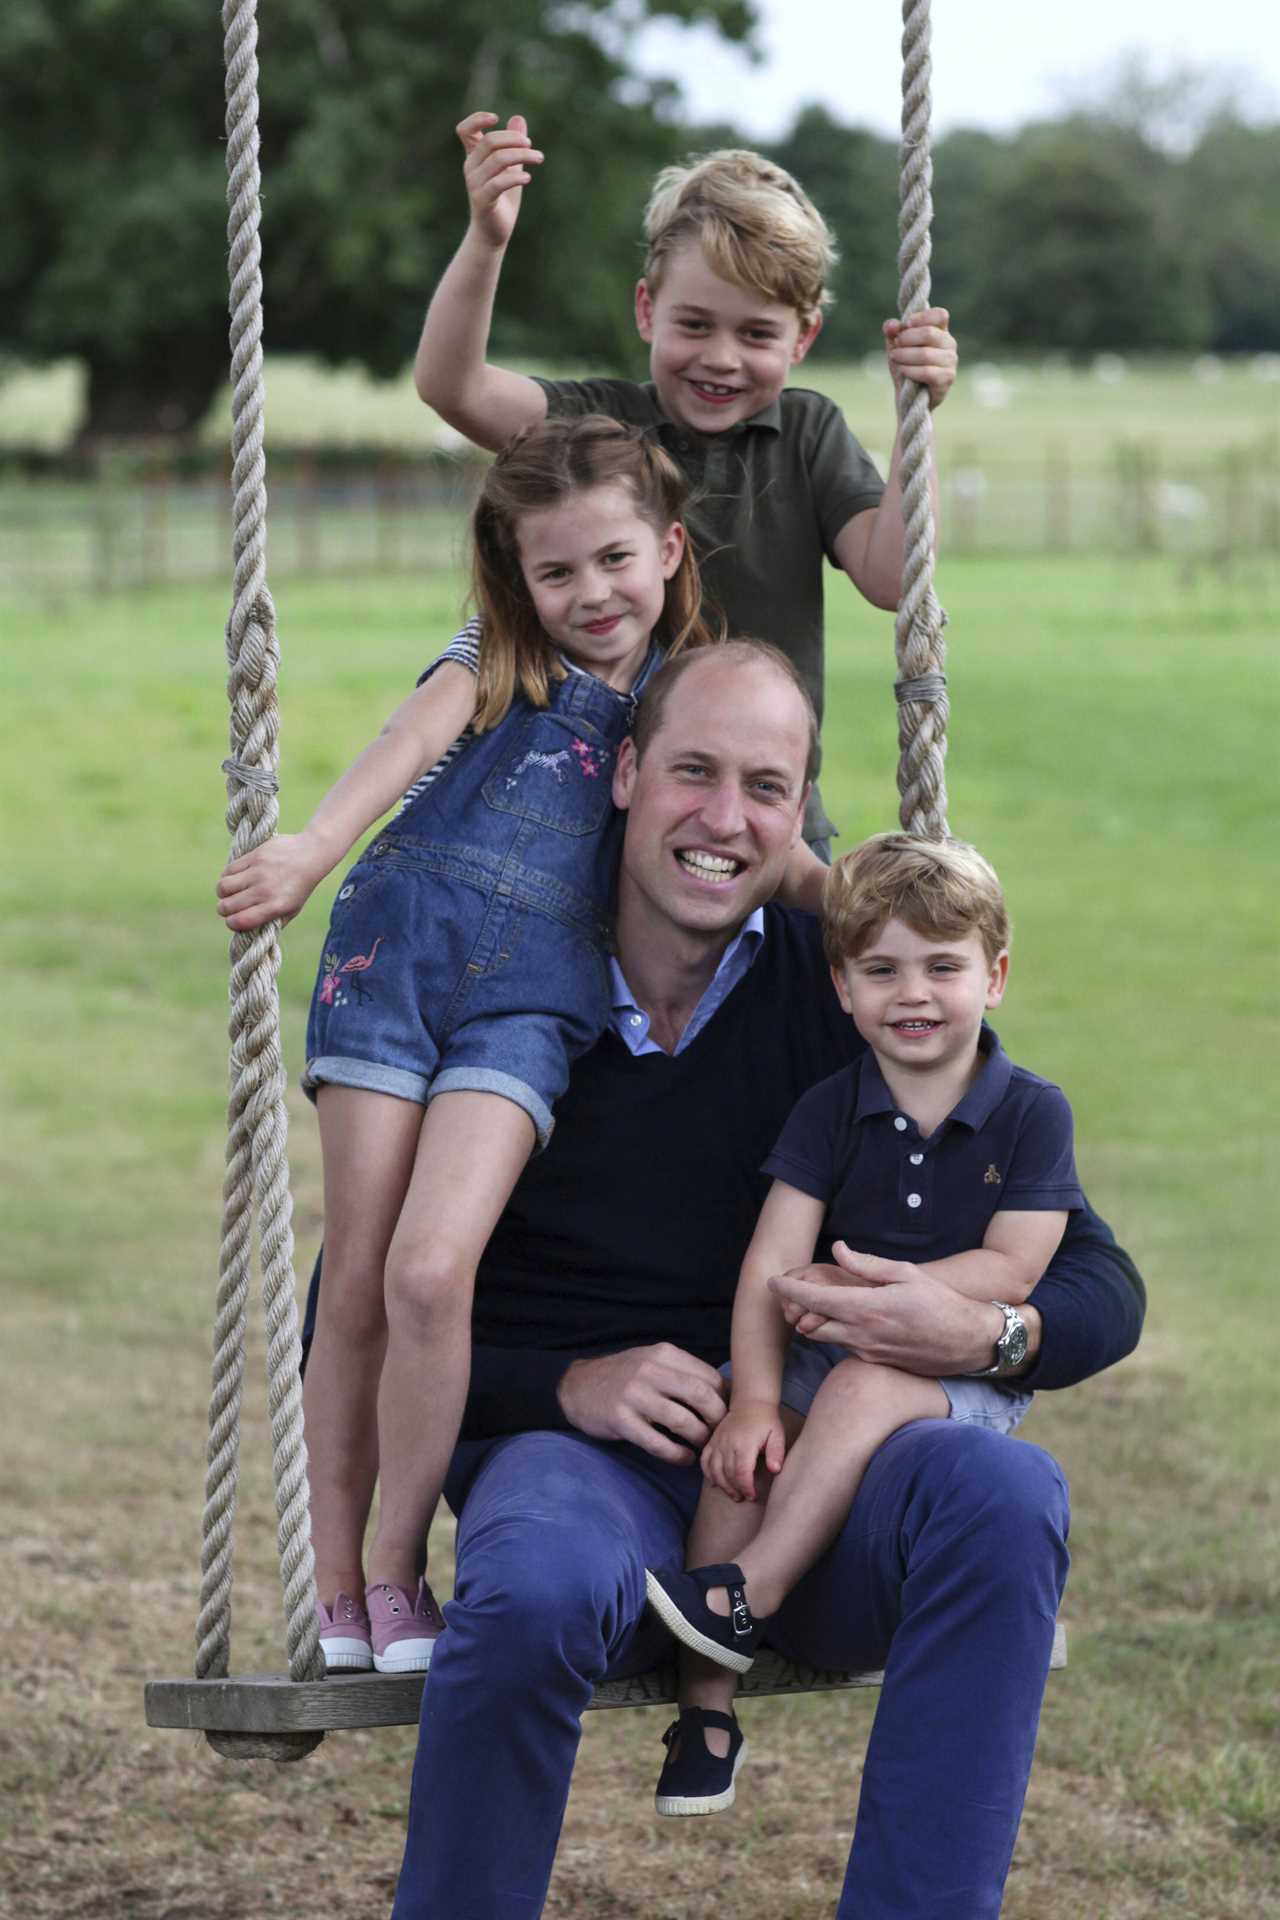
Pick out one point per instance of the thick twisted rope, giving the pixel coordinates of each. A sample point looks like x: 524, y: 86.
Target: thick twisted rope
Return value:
x: 921, y: 686
x: 256, y: 1163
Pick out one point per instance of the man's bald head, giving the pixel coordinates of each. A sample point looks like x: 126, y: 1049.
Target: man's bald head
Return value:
x: 746, y: 653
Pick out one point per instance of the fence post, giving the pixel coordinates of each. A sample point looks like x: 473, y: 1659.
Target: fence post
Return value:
x: 1057, y: 523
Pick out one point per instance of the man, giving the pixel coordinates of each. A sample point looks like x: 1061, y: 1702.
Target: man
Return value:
x: 602, y: 1310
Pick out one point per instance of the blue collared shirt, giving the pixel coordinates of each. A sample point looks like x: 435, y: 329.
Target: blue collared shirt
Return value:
x: 631, y: 1023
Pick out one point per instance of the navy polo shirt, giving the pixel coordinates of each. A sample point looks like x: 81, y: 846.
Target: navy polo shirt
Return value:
x: 887, y: 1191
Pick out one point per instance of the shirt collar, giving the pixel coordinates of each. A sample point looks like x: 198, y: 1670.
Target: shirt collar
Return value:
x: 631, y: 1023
x: 973, y: 1111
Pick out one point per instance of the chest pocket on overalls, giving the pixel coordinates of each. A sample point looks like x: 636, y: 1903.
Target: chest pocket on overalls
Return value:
x: 555, y: 774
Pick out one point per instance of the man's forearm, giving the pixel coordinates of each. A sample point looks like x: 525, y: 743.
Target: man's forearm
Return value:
x: 514, y: 1390
x: 1092, y: 1302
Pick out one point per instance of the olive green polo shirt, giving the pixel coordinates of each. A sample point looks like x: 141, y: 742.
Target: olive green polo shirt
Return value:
x: 770, y: 496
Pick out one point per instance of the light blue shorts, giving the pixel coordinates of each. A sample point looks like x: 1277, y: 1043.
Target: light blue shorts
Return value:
x: 982, y: 1403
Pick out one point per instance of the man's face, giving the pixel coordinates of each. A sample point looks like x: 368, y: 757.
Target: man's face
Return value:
x: 718, y: 353
x: 717, y: 803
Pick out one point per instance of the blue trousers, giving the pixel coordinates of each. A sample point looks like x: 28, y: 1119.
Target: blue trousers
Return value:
x: 948, y: 1574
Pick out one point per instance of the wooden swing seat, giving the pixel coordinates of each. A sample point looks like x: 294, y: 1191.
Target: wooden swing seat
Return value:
x: 251, y: 1713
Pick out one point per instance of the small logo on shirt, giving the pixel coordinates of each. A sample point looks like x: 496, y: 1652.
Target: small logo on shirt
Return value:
x: 992, y: 1175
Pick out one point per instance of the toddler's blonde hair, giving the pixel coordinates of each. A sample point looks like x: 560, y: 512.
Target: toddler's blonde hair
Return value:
x: 941, y: 889
x: 756, y: 225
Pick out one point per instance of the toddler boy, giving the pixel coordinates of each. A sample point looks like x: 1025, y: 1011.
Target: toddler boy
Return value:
x: 735, y: 277
x: 933, y: 1148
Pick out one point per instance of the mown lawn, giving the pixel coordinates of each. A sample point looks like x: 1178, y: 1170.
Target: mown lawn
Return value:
x: 1113, y: 749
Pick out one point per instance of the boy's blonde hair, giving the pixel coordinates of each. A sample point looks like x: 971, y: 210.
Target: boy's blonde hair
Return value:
x: 756, y: 225
x: 942, y: 889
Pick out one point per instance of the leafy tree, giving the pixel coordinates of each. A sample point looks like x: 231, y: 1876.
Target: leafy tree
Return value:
x: 1228, y: 215
x: 113, y: 178
x: 1079, y: 253
x: 969, y: 169
x: 852, y: 176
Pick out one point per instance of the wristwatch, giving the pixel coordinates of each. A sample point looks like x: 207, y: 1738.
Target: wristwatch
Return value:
x: 1011, y: 1347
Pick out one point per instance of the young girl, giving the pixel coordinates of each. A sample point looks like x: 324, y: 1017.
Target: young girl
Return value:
x: 462, y: 972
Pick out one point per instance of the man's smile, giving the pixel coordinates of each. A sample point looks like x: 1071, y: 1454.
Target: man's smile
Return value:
x: 716, y: 868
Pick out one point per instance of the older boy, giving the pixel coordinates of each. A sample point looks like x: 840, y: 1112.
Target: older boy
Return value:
x: 731, y: 299
x: 932, y: 1148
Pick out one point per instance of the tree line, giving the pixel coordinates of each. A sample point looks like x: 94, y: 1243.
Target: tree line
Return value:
x: 1080, y: 234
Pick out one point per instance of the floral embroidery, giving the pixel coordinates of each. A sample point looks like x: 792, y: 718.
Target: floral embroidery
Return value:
x: 336, y: 972
x: 590, y: 759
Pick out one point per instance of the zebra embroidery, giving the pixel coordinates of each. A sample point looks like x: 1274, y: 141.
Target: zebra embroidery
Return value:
x: 553, y: 762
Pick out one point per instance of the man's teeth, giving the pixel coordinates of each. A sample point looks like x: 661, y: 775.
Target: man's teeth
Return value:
x: 713, y: 865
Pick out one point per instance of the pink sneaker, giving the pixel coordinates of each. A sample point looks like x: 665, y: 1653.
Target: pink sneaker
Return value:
x: 404, y: 1631
x: 344, y: 1635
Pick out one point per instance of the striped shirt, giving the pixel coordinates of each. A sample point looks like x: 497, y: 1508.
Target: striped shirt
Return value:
x: 465, y: 649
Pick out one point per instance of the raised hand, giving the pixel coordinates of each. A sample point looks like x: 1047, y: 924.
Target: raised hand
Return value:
x: 496, y: 172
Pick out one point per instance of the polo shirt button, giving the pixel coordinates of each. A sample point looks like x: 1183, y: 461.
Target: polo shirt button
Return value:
x: 913, y: 1199
x: 636, y: 1019
x: 917, y: 1159
x: 900, y: 1124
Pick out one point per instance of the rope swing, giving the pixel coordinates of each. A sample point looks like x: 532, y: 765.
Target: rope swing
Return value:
x: 257, y: 1168
x: 921, y: 686
x: 247, y: 1718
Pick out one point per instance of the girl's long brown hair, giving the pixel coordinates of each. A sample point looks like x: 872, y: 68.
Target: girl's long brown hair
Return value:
x: 543, y: 466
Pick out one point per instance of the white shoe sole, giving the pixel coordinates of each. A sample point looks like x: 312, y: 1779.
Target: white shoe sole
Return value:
x: 668, y: 1804
x: 671, y: 1617
x: 347, y: 1656
x: 405, y: 1656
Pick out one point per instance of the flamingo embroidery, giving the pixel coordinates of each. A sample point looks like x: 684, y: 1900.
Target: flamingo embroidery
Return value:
x: 330, y: 994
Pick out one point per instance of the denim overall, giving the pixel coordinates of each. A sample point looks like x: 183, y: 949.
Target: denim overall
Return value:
x: 466, y: 947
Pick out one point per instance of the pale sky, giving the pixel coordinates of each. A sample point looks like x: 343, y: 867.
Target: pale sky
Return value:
x: 996, y: 63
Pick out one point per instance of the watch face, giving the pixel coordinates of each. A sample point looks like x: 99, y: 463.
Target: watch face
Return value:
x: 1013, y: 1347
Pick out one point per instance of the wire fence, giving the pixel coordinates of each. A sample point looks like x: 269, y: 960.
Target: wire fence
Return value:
x: 156, y: 519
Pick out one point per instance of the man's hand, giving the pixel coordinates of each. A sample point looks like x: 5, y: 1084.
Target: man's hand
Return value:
x: 495, y: 172
x: 890, y: 1312
x: 645, y: 1395
x: 750, y: 1433
x: 921, y: 348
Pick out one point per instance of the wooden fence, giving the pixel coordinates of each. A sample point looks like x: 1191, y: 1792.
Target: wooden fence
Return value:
x: 154, y: 521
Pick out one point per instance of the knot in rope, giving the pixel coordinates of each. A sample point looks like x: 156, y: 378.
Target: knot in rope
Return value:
x: 258, y: 779
x: 922, y: 687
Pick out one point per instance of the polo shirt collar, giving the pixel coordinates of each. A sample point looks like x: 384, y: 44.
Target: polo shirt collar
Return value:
x: 978, y: 1105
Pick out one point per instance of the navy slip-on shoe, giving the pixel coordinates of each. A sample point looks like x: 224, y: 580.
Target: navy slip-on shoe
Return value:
x: 679, y: 1598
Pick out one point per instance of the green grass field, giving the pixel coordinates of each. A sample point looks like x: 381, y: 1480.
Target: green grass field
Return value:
x: 1113, y: 749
